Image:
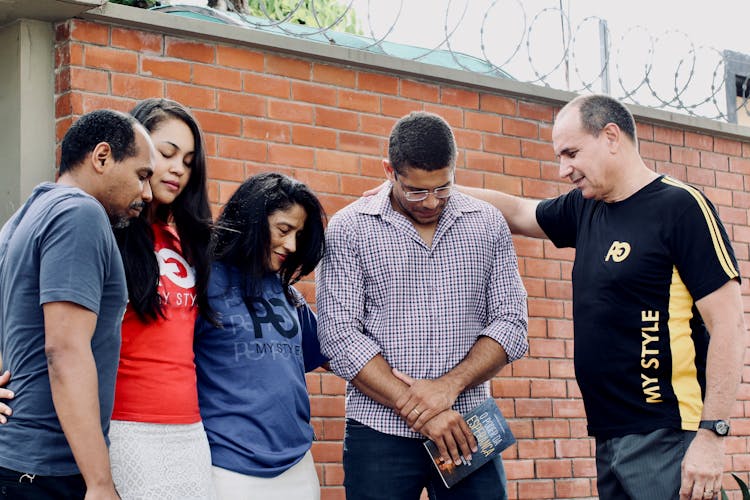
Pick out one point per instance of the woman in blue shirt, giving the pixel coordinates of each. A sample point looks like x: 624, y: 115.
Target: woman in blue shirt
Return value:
x: 251, y: 368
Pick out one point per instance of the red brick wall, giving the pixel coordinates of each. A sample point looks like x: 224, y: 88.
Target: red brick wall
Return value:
x: 327, y: 125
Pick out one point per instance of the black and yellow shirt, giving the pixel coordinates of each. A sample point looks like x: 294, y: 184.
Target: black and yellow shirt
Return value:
x: 640, y: 265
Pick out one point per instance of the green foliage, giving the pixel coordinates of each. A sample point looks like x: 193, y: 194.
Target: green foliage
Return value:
x: 743, y: 488
x: 143, y: 4
x: 301, y: 12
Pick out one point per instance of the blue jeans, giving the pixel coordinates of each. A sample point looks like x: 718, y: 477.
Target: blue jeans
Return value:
x: 379, y: 466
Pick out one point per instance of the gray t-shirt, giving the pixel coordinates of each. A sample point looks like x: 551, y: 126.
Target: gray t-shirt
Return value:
x: 58, y: 247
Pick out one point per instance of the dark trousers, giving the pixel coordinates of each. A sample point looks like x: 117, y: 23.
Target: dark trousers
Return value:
x: 642, y: 466
x: 379, y: 466
x: 16, y: 485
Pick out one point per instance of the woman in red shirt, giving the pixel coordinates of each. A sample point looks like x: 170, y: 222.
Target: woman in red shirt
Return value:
x: 158, y: 444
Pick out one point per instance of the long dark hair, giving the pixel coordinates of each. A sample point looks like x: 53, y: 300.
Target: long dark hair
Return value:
x: 243, y: 236
x: 191, y: 215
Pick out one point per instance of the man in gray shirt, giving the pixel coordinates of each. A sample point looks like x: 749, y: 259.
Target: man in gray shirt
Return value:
x: 62, y: 298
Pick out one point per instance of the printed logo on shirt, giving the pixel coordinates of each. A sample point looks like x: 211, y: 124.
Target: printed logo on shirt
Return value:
x: 175, y: 268
x: 619, y: 251
x: 269, y: 317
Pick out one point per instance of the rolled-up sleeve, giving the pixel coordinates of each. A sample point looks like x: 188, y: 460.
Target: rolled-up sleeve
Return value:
x: 341, y: 302
x: 506, y: 297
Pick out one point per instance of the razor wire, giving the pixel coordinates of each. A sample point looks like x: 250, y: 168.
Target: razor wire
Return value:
x: 500, y: 38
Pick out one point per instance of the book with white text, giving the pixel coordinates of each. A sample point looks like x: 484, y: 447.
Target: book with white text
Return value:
x: 492, y: 433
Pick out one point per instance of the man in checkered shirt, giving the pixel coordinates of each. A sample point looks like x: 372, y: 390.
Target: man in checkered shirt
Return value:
x: 420, y: 304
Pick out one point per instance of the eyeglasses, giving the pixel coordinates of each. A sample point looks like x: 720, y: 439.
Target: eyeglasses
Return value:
x: 440, y: 193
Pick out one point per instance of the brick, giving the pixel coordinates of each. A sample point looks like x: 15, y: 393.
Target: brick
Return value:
x: 504, y: 183
x: 535, y: 111
x: 321, y: 182
x: 225, y: 170
x: 356, y: 185
x: 740, y: 165
x: 334, y: 474
x: 685, y: 156
x: 76, y: 54
x: 336, y: 161
x: 240, y: 58
x: 552, y: 252
x: 482, y: 121
x: 540, y: 268
x: 190, y: 96
x: 136, y: 87
x: 545, y: 133
x: 719, y: 196
x: 521, y: 167
x: 528, y: 247
x: 559, y: 290
x: 333, y: 203
x: 733, y: 216
x: 189, y: 50
x: 290, y: 111
x: 644, y: 131
x: 137, y: 40
x: 454, y: 116
x: 459, y: 97
x: 377, y: 82
x: 568, y: 409
x: 534, y: 490
x: 266, y: 130
x: 536, y: 448
x: 165, y: 69
x: 511, y: 388
x: 217, y: 77
x: 669, y: 136
x: 82, y: 79
x: 477, y: 160
x: 467, y: 178
x: 540, y: 189
x: 391, y: 106
x: 242, y: 104
x: 376, y: 125
x: 62, y: 55
x: 497, y: 104
x: 727, y: 146
x: 334, y: 118
x: 554, y: 468
x: 303, y: 135
x: 325, y: 451
x: 701, y: 176
x: 285, y: 66
x: 89, y: 32
x: 677, y: 171
x: 538, y: 150
x: 527, y: 367
x: 654, y: 151
x: 211, y: 144
x: 334, y: 75
x: 111, y: 59
x: 573, y: 488
x: 311, y: 92
x: 62, y: 31
x: 90, y: 102
x: 519, y: 469
x: 714, y: 161
x: 62, y: 126
x: 293, y: 156
x: 549, y: 428
x: 359, y: 143
x: 312, y: 381
x: 468, y: 139
x: 537, y: 327
x: 358, y: 101
x: 729, y: 181
x: 419, y: 91
x: 219, y: 123
x: 547, y: 348
x: 546, y: 308
x: 573, y: 448
x: 520, y: 128
x: 699, y: 141
x: 500, y: 144
x: 241, y: 149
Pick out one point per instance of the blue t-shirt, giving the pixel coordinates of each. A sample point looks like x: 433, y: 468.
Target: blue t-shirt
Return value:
x: 251, y: 375
x: 58, y: 247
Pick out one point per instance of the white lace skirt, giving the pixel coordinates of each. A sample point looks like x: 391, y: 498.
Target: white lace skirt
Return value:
x: 160, y: 461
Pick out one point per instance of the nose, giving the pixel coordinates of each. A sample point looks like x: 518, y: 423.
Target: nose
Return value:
x: 177, y: 167
x: 431, y: 202
x: 290, y: 243
x: 146, y: 194
x: 565, y: 168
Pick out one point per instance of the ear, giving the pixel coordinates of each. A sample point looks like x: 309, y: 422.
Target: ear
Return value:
x: 390, y: 174
x: 613, y: 134
x: 99, y: 157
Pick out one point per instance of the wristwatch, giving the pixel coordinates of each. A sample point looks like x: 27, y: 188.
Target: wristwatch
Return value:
x: 720, y: 427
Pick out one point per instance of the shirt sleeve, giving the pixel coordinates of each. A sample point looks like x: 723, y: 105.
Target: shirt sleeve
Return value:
x: 506, y: 296
x: 75, y: 252
x: 558, y: 218
x: 702, y: 251
x: 308, y: 322
x: 340, y: 292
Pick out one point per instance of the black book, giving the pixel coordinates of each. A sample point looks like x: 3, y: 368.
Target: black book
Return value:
x: 492, y: 434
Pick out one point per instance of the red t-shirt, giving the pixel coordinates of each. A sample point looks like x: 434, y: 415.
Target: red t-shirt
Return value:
x: 156, y: 377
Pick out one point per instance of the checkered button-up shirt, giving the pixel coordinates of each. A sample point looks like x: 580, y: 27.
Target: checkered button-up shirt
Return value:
x: 382, y: 290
